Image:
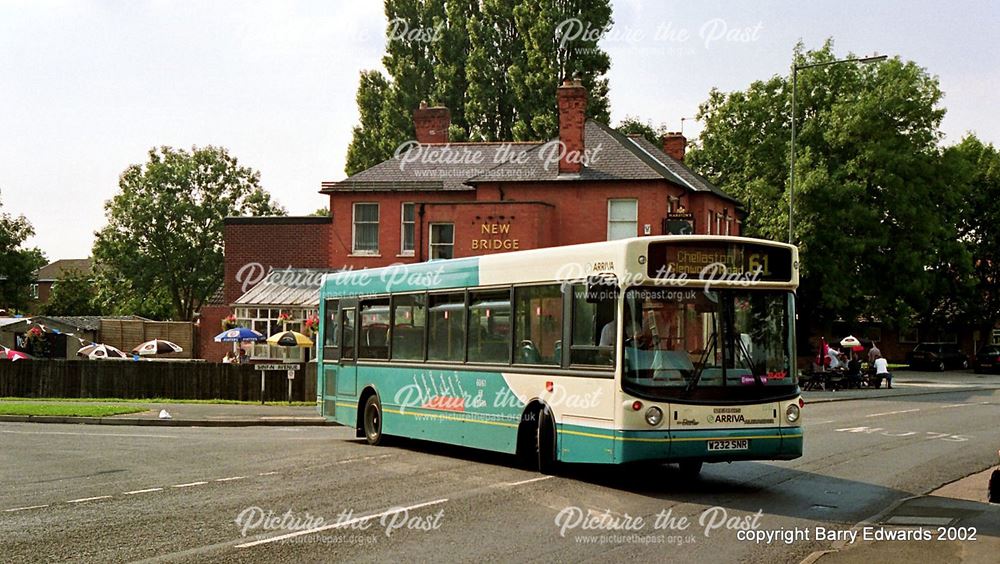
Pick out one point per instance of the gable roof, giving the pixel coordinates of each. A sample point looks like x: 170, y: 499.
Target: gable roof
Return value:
x: 616, y: 157
x: 61, y: 268
x: 433, y: 166
x: 461, y: 166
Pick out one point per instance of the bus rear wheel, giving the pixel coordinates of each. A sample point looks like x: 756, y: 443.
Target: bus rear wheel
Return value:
x: 373, y: 420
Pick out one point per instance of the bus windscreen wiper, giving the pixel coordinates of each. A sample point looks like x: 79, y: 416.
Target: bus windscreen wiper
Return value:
x: 701, y: 363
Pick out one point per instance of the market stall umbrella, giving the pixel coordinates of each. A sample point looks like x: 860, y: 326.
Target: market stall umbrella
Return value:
x: 12, y: 355
x: 290, y: 339
x: 852, y: 343
x: 238, y: 335
x: 156, y: 346
x: 98, y: 351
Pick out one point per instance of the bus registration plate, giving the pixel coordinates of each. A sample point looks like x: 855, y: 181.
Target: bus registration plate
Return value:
x: 730, y: 444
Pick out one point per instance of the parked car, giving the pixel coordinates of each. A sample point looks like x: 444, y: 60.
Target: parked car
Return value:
x: 988, y: 359
x: 938, y: 356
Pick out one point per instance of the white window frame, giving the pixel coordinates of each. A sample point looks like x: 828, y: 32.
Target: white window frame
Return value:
x: 635, y: 222
x: 354, y: 228
x: 34, y: 291
x: 996, y: 336
x: 718, y: 223
x: 431, y: 243
x: 708, y: 222
x: 403, y: 251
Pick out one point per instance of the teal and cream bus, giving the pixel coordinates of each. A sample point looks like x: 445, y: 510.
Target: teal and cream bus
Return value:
x: 672, y: 348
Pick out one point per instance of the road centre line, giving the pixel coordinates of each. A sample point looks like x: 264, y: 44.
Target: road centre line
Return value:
x: 267, y: 473
x: 230, y: 479
x: 85, y: 499
x: 13, y: 509
x: 893, y: 412
x: 147, y: 490
x: 189, y: 485
x: 347, y: 523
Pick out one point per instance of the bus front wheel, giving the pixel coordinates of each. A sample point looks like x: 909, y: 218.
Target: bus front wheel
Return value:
x: 545, y: 442
x: 373, y: 420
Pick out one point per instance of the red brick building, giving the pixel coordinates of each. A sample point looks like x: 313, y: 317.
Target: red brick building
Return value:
x: 436, y: 199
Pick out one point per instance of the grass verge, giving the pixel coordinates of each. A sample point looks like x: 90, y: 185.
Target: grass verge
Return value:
x: 64, y: 410
x: 158, y: 400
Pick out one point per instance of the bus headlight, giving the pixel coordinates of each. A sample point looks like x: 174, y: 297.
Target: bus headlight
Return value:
x: 654, y: 415
x: 792, y: 413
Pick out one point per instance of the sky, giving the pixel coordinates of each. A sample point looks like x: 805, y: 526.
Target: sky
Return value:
x: 89, y: 87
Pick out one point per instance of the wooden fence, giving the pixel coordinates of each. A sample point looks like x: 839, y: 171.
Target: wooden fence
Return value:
x: 125, y: 334
x: 139, y: 380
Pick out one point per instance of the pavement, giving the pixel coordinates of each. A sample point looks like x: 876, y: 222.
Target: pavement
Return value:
x: 958, y: 509
x: 190, y: 415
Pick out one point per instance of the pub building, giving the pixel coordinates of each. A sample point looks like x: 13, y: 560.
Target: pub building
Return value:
x: 439, y: 200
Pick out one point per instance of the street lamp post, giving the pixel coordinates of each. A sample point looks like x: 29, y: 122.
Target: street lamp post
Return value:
x: 791, y: 172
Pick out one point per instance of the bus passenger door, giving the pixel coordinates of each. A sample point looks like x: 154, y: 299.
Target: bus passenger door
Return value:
x: 347, y: 372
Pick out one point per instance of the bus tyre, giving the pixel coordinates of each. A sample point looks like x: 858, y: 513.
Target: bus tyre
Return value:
x: 545, y: 443
x: 373, y: 420
x: 690, y: 468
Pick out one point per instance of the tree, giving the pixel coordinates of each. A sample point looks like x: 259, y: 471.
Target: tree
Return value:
x: 322, y: 212
x: 17, y: 263
x: 494, y: 63
x: 163, y: 240
x: 978, y: 221
x: 632, y: 125
x: 873, y: 201
x: 74, y: 294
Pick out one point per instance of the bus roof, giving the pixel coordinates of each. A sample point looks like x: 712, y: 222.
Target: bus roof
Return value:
x: 624, y: 259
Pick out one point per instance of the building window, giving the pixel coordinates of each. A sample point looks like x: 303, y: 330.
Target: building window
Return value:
x: 718, y: 224
x: 34, y: 291
x: 442, y: 244
x: 365, y: 229
x: 407, y: 227
x: 909, y: 336
x: 623, y: 219
x: 708, y: 223
x: 996, y: 336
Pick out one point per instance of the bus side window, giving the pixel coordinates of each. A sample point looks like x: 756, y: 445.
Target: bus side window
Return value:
x: 374, y: 335
x: 347, y: 332
x: 594, y: 327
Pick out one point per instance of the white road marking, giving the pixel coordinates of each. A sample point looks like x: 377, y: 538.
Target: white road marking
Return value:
x: 347, y: 523
x: 12, y: 510
x: 90, y: 434
x: 230, y: 479
x: 147, y: 490
x: 267, y: 474
x: 189, y: 485
x: 528, y: 481
x: 893, y: 412
x: 81, y: 500
x: 818, y: 422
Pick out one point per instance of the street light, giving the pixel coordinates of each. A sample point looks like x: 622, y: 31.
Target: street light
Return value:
x: 795, y: 73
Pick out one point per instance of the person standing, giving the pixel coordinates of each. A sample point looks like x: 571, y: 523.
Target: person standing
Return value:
x: 882, y: 371
x: 873, y: 353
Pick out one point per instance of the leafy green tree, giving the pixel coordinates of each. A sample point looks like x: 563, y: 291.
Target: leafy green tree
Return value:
x: 495, y: 64
x: 978, y: 221
x: 74, y: 294
x: 632, y: 125
x: 163, y: 239
x: 17, y: 263
x: 560, y: 41
x: 322, y: 212
x: 872, y: 203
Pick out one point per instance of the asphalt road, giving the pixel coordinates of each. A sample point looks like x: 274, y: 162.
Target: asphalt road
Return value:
x: 94, y: 493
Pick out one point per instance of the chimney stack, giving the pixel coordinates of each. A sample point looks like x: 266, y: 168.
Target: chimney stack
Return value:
x: 572, y: 99
x: 674, y: 144
x: 431, y: 124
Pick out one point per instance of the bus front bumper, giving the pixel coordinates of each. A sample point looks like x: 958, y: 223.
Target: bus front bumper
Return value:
x: 715, y: 445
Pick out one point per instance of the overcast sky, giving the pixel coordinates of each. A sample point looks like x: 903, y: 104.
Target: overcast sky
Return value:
x: 86, y: 88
